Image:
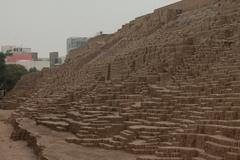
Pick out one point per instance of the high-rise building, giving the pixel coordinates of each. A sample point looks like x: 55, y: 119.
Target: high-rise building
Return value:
x: 35, y: 56
x: 76, y: 42
x: 53, y: 57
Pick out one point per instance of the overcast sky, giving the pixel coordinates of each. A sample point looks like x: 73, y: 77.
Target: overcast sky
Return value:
x: 44, y: 25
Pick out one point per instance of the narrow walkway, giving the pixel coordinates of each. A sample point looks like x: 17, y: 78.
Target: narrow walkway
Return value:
x: 11, y: 150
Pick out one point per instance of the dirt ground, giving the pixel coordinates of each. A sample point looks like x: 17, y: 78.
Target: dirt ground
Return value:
x: 55, y: 146
x: 11, y: 150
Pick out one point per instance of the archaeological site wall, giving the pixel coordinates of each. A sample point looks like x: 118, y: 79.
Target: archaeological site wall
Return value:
x: 121, y: 67
x: 166, y: 86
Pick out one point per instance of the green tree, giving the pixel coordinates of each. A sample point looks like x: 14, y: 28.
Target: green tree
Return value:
x: 34, y: 69
x: 13, y: 73
x: 2, y: 69
x: 9, y: 74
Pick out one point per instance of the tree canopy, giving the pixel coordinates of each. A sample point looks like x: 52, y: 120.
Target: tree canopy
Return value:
x: 9, y: 74
x: 34, y: 69
x: 2, y: 69
x: 14, y: 72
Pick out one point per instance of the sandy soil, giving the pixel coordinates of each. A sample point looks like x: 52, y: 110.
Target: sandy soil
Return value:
x: 10, y: 150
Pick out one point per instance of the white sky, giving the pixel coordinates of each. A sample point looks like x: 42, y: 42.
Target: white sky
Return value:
x: 44, y: 25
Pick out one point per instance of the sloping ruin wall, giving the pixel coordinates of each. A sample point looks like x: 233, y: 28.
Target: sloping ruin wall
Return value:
x: 159, y: 88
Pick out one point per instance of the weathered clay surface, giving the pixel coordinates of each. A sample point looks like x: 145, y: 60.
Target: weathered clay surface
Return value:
x: 9, y: 149
x: 51, y: 145
x: 165, y: 86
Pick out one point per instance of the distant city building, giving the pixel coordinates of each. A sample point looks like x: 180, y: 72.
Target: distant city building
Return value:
x: 76, y: 42
x: 7, y: 48
x: 13, y: 49
x: 43, y: 59
x: 54, y: 59
x: 28, y: 60
x: 35, y: 56
x: 20, y: 50
x: 24, y: 57
x: 39, y: 65
x: 19, y: 57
